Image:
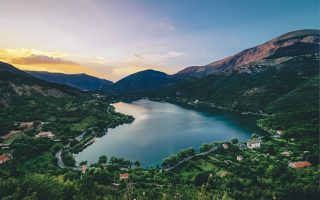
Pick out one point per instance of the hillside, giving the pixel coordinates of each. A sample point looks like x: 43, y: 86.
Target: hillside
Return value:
x: 16, y: 83
x: 252, y: 60
x: 281, y: 81
x: 82, y: 82
x: 140, y: 81
x: 244, y: 91
x: 24, y: 96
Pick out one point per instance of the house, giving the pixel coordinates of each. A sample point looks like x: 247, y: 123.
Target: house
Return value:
x: 48, y: 135
x: 124, y: 169
x: 254, y: 143
x: 4, y: 146
x: 286, y: 153
x: 4, y: 158
x: 225, y: 146
x: 25, y: 125
x: 279, y: 132
x: 124, y: 176
x: 299, y: 164
x: 239, y: 158
x: 84, y: 168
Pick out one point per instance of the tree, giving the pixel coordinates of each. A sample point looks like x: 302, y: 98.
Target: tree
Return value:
x: 205, y: 147
x: 191, y: 151
x: 83, y: 162
x: 137, y: 163
x: 201, y: 178
x: 254, y: 135
x: 234, y: 141
x: 182, y: 154
x: 103, y: 160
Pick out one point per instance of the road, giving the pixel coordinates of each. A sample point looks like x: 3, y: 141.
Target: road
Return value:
x: 190, y: 157
x: 61, y: 164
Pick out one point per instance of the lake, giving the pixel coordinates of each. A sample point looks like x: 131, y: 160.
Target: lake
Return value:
x: 161, y: 129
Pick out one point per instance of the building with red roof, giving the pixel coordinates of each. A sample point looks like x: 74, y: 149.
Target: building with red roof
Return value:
x: 300, y: 164
x: 124, y: 176
x: 4, y: 158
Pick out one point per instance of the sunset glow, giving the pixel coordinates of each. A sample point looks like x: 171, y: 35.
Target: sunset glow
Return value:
x: 111, y: 39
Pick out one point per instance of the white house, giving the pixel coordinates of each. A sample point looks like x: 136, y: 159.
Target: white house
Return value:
x: 48, y: 135
x: 225, y: 146
x: 239, y: 158
x: 254, y: 143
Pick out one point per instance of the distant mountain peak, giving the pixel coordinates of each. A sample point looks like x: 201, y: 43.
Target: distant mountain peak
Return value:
x: 139, y: 81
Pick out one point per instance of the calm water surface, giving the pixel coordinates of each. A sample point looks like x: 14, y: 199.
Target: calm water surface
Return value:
x: 162, y: 129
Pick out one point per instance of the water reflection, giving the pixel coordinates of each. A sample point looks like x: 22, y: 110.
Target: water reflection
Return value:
x: 161, y: 129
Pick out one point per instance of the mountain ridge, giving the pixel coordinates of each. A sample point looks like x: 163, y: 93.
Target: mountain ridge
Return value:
x: 81, y: 81
x: 15, y: 83
x: 302, y: 41
x: 139, y: 81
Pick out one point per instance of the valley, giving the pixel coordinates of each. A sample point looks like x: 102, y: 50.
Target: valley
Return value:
x: 245, y: 127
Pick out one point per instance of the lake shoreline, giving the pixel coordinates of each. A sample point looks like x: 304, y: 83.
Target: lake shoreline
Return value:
x: 180, y: 106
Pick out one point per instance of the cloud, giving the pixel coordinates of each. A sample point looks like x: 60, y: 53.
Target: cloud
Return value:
x: 34, y: 60
x: 165, y: 25
x: 152, y: 58
x: 40, y: 59
x: 98, y: 60
x: 136, y: 58
x: 172, y: 54
x: 29, y: 52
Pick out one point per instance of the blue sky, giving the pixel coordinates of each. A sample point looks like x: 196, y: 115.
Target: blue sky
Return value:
x: 112, y: 39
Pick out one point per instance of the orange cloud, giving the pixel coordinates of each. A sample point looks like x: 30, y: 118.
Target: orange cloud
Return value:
x: 39, y: 59
x: 34, y: 60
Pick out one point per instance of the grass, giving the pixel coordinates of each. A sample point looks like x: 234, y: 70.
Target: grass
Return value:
x: 45, y: 161
x: 188, y: 169
x: 84, y: 124
x: 206, y: 165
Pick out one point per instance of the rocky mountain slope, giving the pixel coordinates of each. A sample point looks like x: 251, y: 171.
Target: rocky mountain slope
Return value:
x: 255, y: 59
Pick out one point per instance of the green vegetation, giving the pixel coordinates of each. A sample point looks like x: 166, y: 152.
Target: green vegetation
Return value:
x: 262, y: 174
x: 284, y: 97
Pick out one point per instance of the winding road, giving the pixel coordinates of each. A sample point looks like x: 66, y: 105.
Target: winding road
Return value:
x: 190, y: 157
x: 60, y: 162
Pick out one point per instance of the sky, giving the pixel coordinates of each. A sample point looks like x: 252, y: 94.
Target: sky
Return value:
x: 114, y: 38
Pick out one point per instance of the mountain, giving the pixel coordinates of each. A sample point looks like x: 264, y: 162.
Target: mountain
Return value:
x: 245, y: 91
x: 140, y: 81
x: 15, y: 84
x: 279, y: 79
x: 273, y: 53
x: 255, y: 59
x: 7, y: 68
x: 82, y: 82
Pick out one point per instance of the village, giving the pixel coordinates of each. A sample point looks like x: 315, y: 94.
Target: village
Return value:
x: 267, y: 157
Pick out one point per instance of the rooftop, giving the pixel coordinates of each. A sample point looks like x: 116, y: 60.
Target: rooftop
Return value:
x: 300, y: 164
